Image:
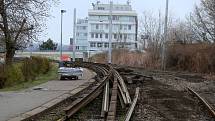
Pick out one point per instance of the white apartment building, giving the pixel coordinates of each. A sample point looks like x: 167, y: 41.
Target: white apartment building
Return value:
x: 93, y: 33
x: 124, y: 27
x: 82, y: 35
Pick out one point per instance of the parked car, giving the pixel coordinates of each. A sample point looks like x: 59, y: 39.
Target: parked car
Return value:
x: 69, y: 72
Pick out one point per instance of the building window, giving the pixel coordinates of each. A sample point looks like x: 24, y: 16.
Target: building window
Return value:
x: 92, y: 44
x: 101, y: 27
x: 113, y: 45
x: 120, y: 36
x: 115, y: 17
x: 106, y: 45
x: 85, y: 34
x: 106, y: 26
x: 115, y: 36
x: 129, y: 27
x: 101, y: 8
x: 97, y: 35
x: 100, y: 35
x: 77, y: 47
x: 120, y: 27
x: 131, y: 19
x: 125, y: 36
x: 125, y: 27
x: 84, y: 27
x: 97, y: 26
x: 99, y: 44
x: 92, y: 35
x: 106, y: 36
x: 129, y: 36
x: 77, y: 34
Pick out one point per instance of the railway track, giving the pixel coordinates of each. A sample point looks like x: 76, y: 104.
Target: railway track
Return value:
x: 109, y: 84
x: 164, y: 95
x: 108, y: 75
x: 155, y: 98
x: 79, y: 103
x: 203, y: 101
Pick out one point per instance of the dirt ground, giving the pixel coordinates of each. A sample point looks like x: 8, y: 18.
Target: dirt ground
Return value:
x: 165, y: 96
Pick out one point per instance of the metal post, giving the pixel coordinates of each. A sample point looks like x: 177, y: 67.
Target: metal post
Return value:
x: 74, y: 36
x: 61, y: 32
x: 165, y: 37
x: 110, y: 34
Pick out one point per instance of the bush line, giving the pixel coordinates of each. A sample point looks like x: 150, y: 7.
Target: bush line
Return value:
x: 24, y: 71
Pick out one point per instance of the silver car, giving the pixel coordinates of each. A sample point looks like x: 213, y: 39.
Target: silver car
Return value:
x: 70, y: 73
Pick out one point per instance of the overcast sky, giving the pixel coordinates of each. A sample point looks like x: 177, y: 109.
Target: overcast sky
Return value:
x: 178, y: 8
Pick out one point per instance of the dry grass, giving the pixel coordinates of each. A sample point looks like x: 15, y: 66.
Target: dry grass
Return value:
x: 192, y: 57
x: 128, y: 58
x: 180, y: 57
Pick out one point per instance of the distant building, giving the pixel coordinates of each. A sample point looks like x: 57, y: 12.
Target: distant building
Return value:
x: 93, y: 33
x: 124, y: 27
x: 71, y: 41
x: 81, y: 35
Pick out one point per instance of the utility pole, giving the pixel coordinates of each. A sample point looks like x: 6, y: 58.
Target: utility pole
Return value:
x: 165, y: 37
x: 74, y: 36
x: 61, y: 32
x: 110, y: 34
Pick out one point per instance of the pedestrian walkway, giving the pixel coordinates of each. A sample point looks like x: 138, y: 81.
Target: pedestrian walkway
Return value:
x: 15, y: 105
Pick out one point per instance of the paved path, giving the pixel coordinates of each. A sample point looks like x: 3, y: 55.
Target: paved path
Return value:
x: 13, y: 104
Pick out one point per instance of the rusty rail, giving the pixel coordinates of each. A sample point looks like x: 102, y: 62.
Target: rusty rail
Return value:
x: 93, y: 93
x: 206, y: 104
x: 107, y: 75
x: 113, y: 102
x: 131, y: 109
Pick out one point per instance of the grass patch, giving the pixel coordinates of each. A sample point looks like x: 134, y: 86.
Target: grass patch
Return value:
x: 40, y: 79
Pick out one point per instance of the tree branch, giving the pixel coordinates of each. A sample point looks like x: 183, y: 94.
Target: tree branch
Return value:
x: 1, y: 27
x: 20, y: 30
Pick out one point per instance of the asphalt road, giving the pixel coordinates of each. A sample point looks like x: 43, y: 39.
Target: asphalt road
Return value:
x: 13, y: 104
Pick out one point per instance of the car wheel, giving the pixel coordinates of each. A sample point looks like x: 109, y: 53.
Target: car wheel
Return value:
x: 76, y: 78
x: 62, y: 78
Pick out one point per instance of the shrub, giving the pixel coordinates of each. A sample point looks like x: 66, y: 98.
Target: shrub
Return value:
x: 13, y: 75
x: 34, y: 66
x: 40, y: 65
x: 28, y: 70
x: 24, y: 71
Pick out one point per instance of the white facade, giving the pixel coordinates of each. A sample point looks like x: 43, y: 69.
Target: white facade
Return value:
x: 82, y: 35
x: 124, y: 28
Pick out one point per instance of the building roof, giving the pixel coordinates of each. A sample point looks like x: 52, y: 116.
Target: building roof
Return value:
x: 118, y: 9
x: 123, y: 13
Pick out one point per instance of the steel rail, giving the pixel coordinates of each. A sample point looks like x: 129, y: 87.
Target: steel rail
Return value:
x: 131, y: 109
x: 73, y: 108
x: 206, y: 104
x: 124, y: 88
x: 111, y: 116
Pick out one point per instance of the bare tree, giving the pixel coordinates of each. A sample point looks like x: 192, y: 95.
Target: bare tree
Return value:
x: 150, y: 32
x: 20, y: 20
x: 181, y: 32
x: 203, y: 21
